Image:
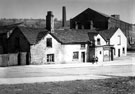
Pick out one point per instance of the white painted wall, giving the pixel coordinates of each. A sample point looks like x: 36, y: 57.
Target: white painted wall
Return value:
x: 99, y: 48
x: 70, y: 48
x: 99, y: 53
x: 115, y: 40
x: 103, y: 42
x: 62, y: 53
x: 39, y: 51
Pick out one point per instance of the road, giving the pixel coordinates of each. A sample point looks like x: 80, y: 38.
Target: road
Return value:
x: 30, y: 74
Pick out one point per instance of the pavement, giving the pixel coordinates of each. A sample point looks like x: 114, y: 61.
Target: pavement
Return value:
x: 123, y: 66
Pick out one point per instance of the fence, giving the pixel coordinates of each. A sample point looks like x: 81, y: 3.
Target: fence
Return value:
x: 13, y: 59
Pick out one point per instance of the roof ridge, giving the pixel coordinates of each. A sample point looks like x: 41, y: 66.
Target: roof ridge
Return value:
x: 103, y: 14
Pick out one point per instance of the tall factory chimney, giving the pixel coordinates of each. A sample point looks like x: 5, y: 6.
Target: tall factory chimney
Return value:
x: 63, y: 16
x: 50, y: 21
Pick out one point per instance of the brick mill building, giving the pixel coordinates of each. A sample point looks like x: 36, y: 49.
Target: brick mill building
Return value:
x: 89, y: 19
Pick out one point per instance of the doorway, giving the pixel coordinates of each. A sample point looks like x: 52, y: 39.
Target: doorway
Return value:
x: 83, y: 56
x: 118, y: 52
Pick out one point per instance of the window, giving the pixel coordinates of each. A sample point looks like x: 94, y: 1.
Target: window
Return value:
x: 50, y: 57
x: 123, y: 50
x: 82, y: 46
x: 119, y: 40
x: 75, y: 55
x: 98, y: 41
x: 49, y: 42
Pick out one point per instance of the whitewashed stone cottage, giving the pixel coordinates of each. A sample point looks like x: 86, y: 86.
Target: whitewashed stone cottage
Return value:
x: 68, y: 46
x: 116, y: 38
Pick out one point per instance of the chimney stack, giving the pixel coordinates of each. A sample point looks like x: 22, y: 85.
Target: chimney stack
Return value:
x: 116, y: 16
x: 50, y: 21
x: 63, y: 16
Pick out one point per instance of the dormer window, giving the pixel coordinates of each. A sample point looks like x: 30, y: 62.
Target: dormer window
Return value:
x: 49, y: 42
x: 98, y: 41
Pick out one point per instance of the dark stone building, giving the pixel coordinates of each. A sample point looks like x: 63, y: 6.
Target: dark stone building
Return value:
x: 18, y: 40
x: 90, y: 19
x: 4, y: 35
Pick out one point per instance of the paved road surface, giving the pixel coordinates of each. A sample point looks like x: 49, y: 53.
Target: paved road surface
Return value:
x: 30, y: 74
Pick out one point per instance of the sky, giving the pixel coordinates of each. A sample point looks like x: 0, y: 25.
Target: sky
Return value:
x: 38, y: 8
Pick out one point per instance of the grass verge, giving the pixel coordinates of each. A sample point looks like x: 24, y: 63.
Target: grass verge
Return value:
x: 121, y: 85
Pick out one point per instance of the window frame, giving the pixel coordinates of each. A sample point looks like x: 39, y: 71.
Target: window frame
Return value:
x: 50, y: 58
x: 75, y: 55
x: 119, y: 39
x: 49, y: 42
x: 83, y: 46
x: 98, y: 41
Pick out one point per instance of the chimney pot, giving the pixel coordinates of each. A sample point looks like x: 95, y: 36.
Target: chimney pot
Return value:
x: 116, y: 16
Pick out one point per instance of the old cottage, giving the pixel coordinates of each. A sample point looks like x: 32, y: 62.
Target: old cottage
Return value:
x: 22, y: 38
x: 68, y: 46
x: 115, y: 37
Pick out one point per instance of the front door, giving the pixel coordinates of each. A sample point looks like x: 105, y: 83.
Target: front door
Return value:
x: 83, y: 56
x: 112, y: 54
x: 118, y: 52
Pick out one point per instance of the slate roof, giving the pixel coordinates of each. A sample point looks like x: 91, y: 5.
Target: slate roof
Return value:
x: 2, y: 30
x: 91, y: 35
x: 108, y: 33
x: 72, y: 36
x: 33, y: 35
x: 41, y: 35
x: 6, y: 28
